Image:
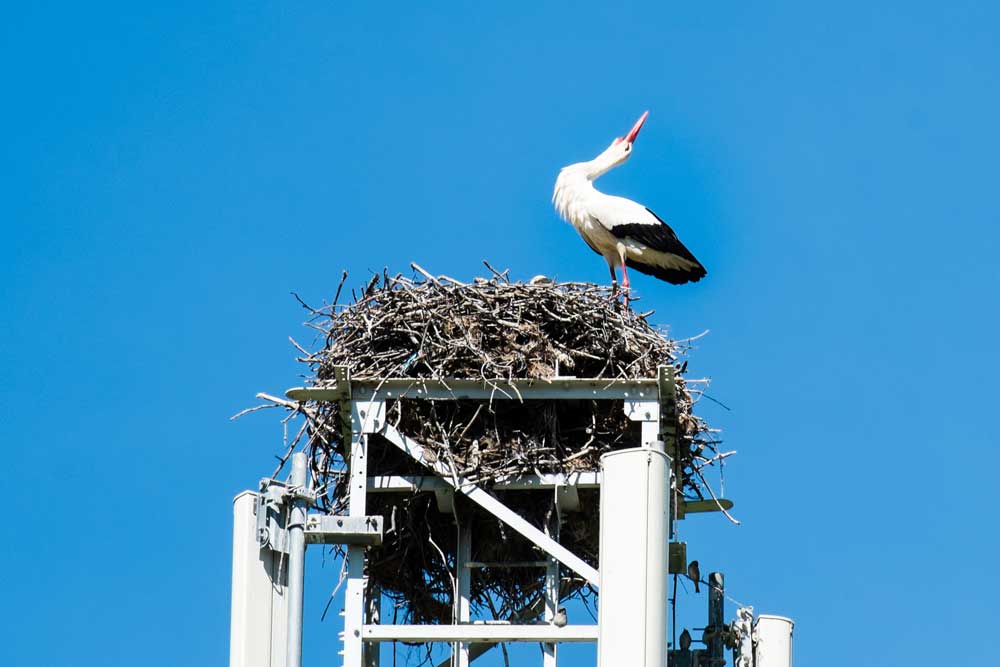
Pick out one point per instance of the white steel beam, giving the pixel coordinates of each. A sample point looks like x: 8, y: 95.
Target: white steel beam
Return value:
x: 480, y: 633
x: 648, y: 413
x: 460, y: 650
x: 398, y: 484
x: 479, y: 564
x: 482, y: 498
x: 499, y: 389
x: 549, y: 650
x: 581, y: 480
x: 365, y: 416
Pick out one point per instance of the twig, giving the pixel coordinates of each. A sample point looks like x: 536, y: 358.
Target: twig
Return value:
x: 416, y: 267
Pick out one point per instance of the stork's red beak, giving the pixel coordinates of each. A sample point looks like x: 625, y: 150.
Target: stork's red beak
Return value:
x: 634, y: 132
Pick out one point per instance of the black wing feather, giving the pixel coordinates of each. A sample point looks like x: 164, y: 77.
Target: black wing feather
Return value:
x: 662, y: 239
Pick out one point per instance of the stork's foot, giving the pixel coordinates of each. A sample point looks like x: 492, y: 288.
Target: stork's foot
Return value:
x: 621, y: 292
x: 626, y: 293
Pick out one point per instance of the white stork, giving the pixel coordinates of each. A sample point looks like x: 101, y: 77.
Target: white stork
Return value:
x: 625, y: 233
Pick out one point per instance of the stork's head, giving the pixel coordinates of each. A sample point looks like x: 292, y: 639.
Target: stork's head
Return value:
x: 620, y: 148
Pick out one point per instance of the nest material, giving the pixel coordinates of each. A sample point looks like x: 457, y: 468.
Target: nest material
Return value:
x: 491, y: 329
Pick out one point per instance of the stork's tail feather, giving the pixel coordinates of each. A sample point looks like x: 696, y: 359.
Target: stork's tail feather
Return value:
x: 674, y: 276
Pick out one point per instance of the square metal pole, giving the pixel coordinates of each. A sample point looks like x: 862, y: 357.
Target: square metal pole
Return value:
x: 460, y: 650
x: 364, y: 415
x: 549, y: 650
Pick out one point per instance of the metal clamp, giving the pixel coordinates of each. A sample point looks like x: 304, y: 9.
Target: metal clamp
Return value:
x: 273, y: 520
x: 273, y: 501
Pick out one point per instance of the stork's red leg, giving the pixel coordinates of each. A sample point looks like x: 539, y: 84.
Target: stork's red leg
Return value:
x: 614, y: 279
x: 625, y: 282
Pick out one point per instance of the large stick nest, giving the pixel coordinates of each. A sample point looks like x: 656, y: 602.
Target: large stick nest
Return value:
x: 490, y: 329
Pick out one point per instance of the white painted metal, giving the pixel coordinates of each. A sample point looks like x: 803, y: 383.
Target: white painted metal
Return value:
x: 481, y: 632
x: 329, y: 529
x: 410, y: 483
x: 296, y: 560
x: 647, y: 412
x: 479, y: 564
x: 580, y: 480
x: 743, y: 656
x: 259, y: 607
x: 644, y: 410
x: 549, y: 650
x: 444, y: 498
x: 373, y: 597
x: 463, y: 612
x: 460, y: 650
x: 650, y: 433
x: 499, y: 389
x: 482, y: 498
x: 634, y: 558
x: 365, y: 417
x: 774, y: 641
x: 567, y: 500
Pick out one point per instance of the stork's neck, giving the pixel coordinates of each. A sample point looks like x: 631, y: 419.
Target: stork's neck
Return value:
x: 612, y: 156
x: 574, y: 188
x: 575, y: 185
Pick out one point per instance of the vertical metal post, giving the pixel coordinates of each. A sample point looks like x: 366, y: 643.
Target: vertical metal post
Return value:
x: 374, y: 600
x: 550, y: 651
x: 460, y: 650
x: 366, y: 417
x: 296, y: 561
x: 716, y: 616
x: 634, y: 551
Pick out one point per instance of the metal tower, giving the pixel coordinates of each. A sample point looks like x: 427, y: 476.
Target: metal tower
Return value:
x: 639, y: 504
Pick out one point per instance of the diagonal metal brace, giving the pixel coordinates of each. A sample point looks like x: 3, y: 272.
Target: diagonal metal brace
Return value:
x: 482, y: 498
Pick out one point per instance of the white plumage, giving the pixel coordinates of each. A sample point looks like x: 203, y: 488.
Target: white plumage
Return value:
x: 625, y: 233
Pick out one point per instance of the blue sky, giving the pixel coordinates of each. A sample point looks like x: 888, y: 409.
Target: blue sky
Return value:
x: 172, y: 173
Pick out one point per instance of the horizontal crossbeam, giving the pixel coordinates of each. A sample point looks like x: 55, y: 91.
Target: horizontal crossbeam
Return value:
x: 519, y: 390
x: 480, y: 633
x: 476, y: 564
x: 396, y: 484
x: 579, y: 480
x: 696, y: 506
x: 325, y: 529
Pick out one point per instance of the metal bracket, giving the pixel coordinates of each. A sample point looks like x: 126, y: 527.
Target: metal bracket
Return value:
x: 677, y: 563
x: 271, y: 515
x: 273, y: 499
x: 356, y: 530
x: 667, y: 385
x: 743, y: 653
x: 648, y: 413
x: 444, y: 496
x: 567, y: 500
x: 370, y: 416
